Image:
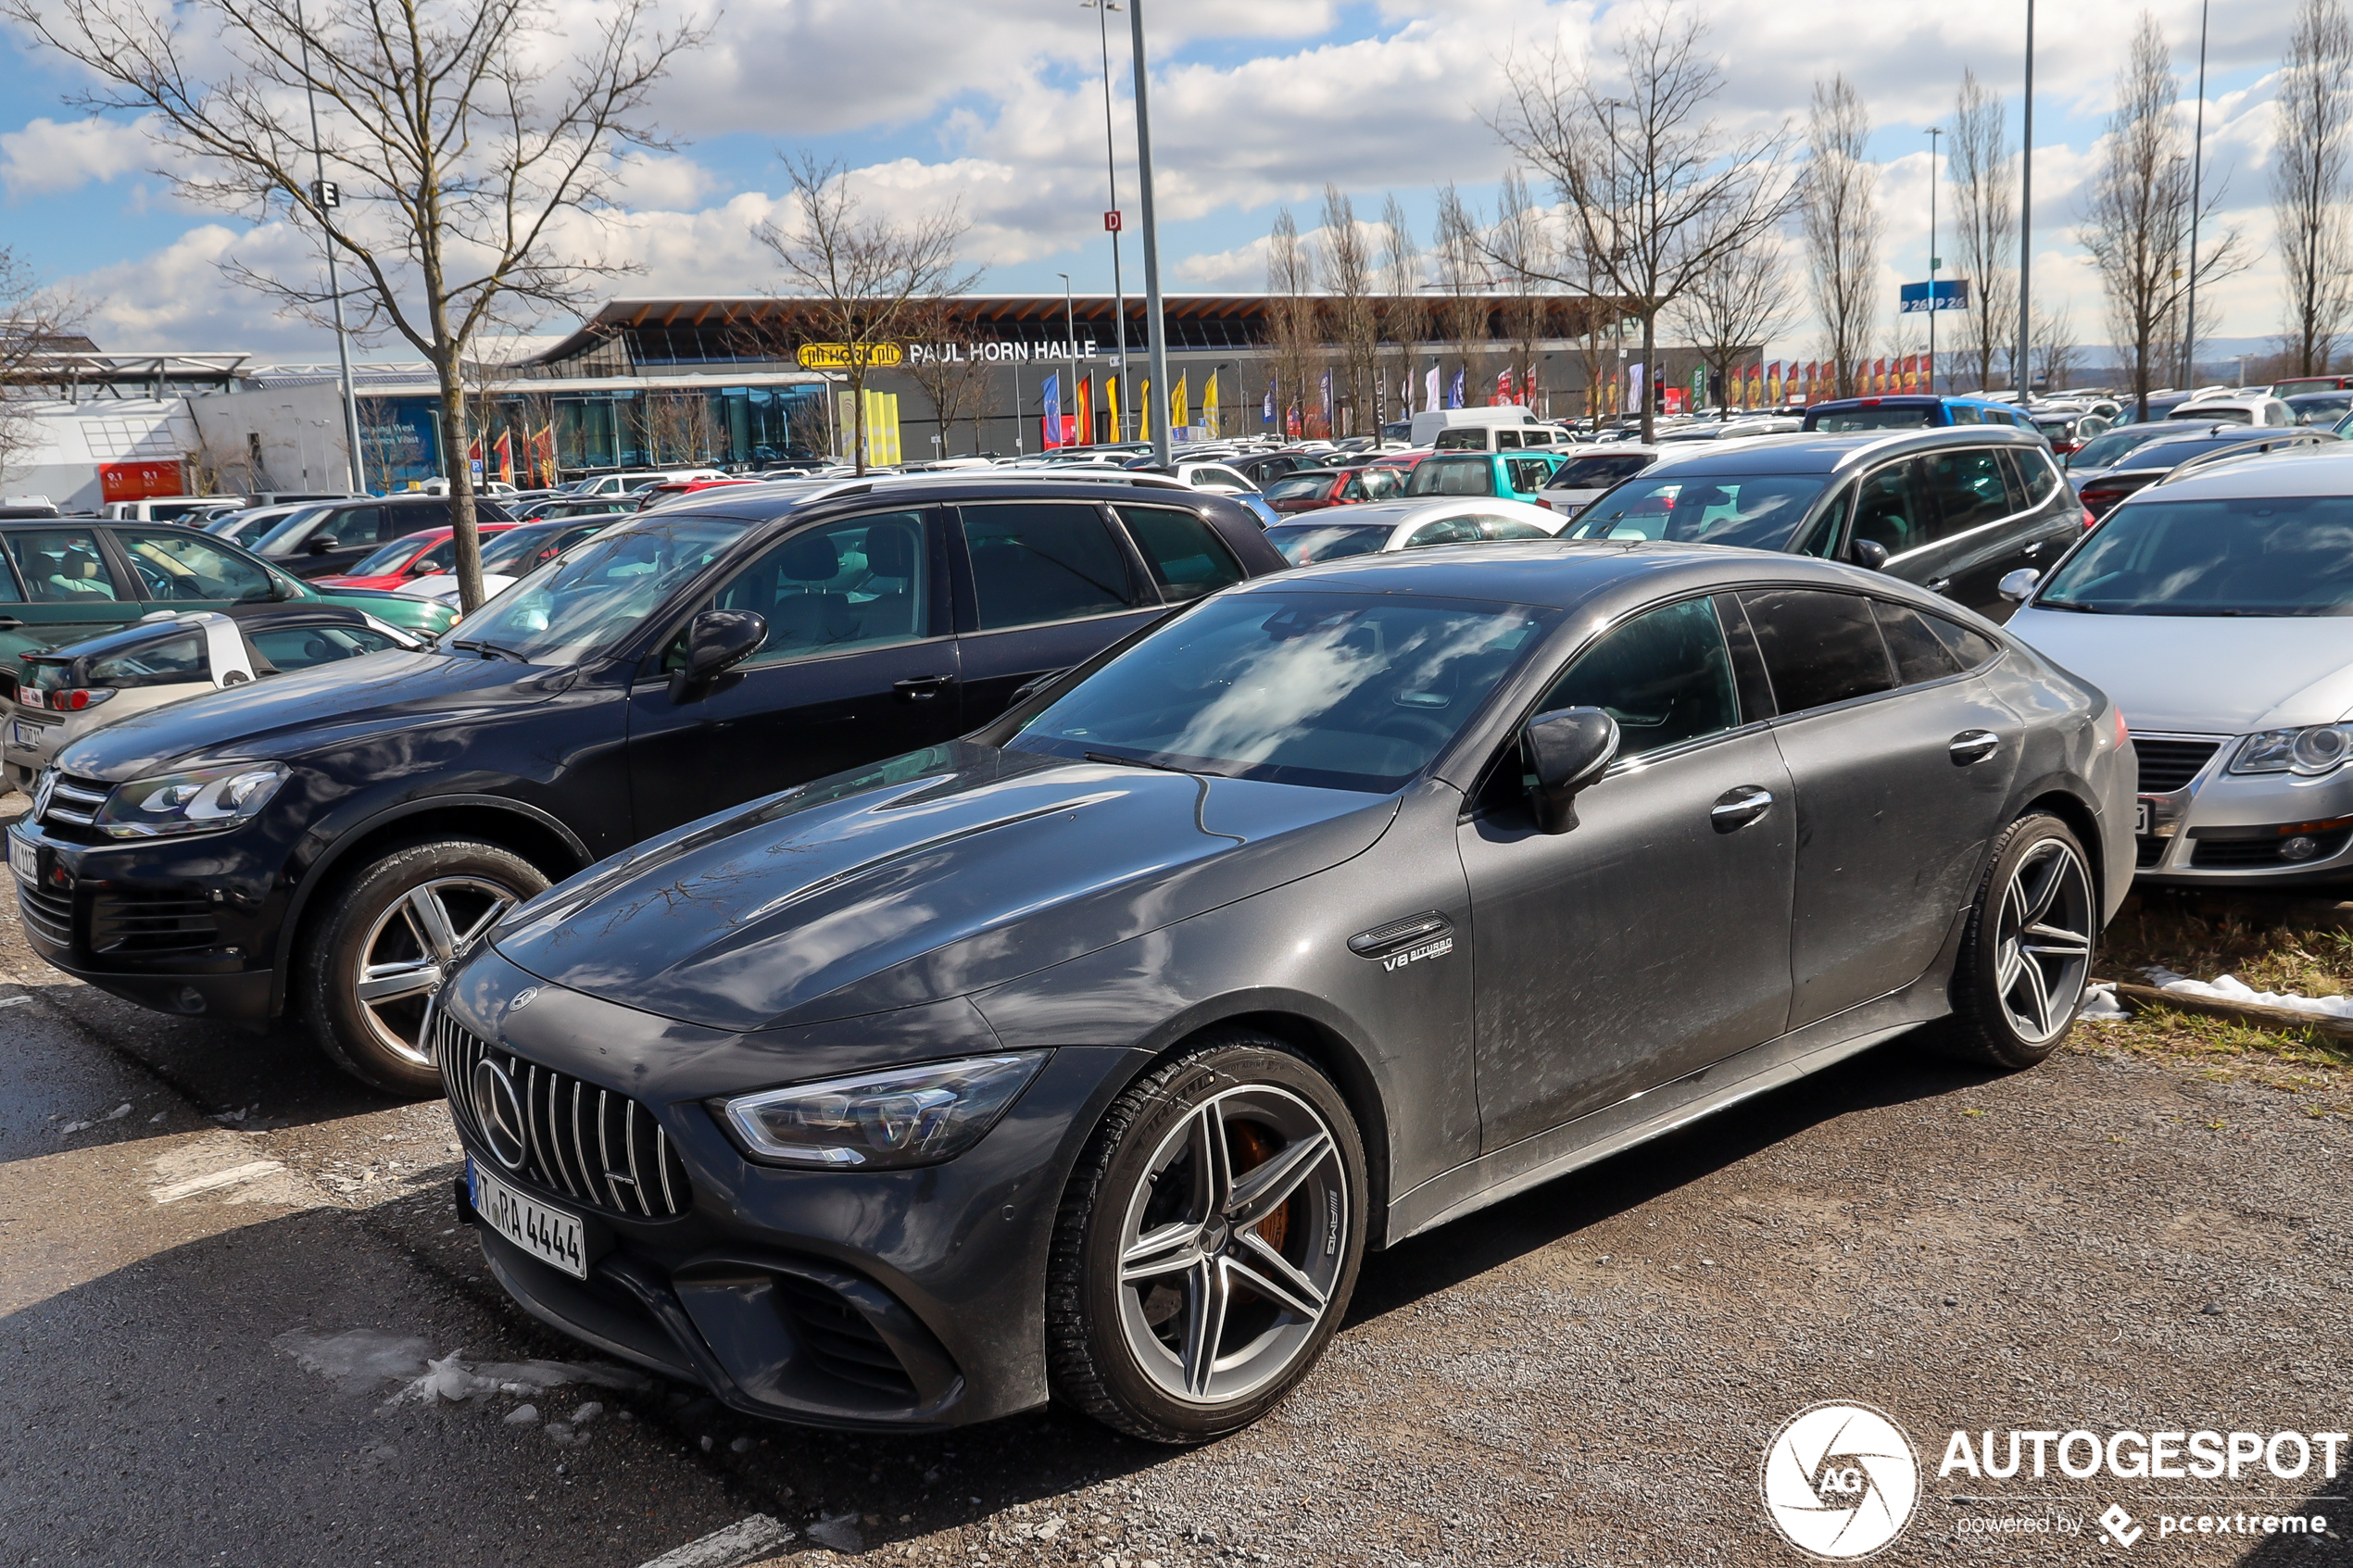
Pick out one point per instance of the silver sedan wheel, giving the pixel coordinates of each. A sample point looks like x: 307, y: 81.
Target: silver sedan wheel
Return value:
x: 1232, y: 1244
x: 410, y: 949
x: 2042, y: 947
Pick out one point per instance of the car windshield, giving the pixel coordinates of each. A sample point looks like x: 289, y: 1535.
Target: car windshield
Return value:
x: 1302, y: 543
x: 2290, y: 555
x: 1337, y: 691
x: 391, y: 559
x: 1885, y: 415
x: 1300, y: 486
x: 516, y: 545
x: 2105, y: 451
x: 1599, y: 472
x: 600, y: 591
x: 1453, y: 476
x: 2212, y: 414
x: 1760, y: 512
x: 2319, y: 407
x: 287, y: 527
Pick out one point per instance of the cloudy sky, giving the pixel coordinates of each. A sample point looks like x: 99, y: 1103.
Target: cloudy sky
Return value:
x: 1255, y: 103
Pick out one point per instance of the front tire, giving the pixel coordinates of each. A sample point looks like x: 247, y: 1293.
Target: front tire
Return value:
x: 395, y: 930
x: 2026, y: 954
x: 1207, y: 1244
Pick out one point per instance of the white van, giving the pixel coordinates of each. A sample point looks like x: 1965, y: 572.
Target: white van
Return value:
x: 1505, y: 429
x: 168, y: 508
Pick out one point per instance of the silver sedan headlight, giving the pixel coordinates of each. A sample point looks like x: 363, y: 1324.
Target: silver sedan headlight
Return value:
x: 2310, y: 751
x: 879, y: 1121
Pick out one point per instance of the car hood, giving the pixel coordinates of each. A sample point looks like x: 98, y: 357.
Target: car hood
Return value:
x: 2203, y: 675
x: 287, y: 717
x: 935, y: 875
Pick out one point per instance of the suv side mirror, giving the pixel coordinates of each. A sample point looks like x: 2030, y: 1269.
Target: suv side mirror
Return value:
x: 319, y: 545
x: 717, y: 640
x: 2015, y: 586
x: 1566, y: 750
x: 1868, y: 554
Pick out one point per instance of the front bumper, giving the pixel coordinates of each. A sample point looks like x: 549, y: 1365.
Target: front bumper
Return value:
x: 890, y: 1299
x: 2249, y: 830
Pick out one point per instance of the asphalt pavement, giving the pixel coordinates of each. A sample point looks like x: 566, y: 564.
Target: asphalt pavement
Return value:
x: 239, y: 1325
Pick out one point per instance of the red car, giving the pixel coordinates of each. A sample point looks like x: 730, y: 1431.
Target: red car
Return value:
x: 1312, y: 490
x: 655, y: 495
x: 413, y: 555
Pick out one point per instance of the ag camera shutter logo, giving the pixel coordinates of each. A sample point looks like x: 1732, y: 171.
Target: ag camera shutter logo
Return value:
x: 1840, y: 1481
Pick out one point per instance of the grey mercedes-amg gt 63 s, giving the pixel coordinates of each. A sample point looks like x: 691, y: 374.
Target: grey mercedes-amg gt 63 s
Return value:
x: 1087, y: 1057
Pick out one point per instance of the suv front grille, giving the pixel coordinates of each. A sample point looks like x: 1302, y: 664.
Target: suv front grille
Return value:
x: 580, y: 1141
x: 151, y: 923
x: 2168, y: 765
x: 76, y: 800
x: 46, y: 911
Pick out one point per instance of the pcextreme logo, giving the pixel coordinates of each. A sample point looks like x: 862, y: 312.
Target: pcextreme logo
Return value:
x: 1840, y: 1481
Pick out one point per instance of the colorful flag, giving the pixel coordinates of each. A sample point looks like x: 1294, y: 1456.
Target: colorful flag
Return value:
x: 1118, y: 425
x: 1085, y: 410
x: 1773, y: 385
x: 1634, y: 385
x: 1181, y: 404
x: 1756, y: 386
x: 1927, y: 374
x: 1430, y: 391
x: 1454, y: 390
x: 1144, y: 409
x: 1878, y: 375
x: 1209, y: 403
x: 1503, y: 385
x: 1327, y: 402
x: 1266, y: 412
x: 1050, y: 397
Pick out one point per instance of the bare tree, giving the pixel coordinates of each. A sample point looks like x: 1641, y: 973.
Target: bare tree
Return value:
x: 1521, y: 248
x: 34, y: 322
x: 1404, y: 319
x: 1291, y: 274
x: 1348, y: 280
x: 1462, y: 272
x: 1736, y: 309
x: 2311, y: 182
x: 2137, y: 215
x: 865, y: 279
x: 2055, y: 351
x: 1843, y: 226
x: 1658, y: 193
x: 942, y: 361
x: 1986, y: 201
x: 459, y: 141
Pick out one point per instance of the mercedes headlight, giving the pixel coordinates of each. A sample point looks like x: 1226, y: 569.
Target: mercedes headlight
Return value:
x: 880, y: 1121
x: 205, y: 800
x: 2315, y: 749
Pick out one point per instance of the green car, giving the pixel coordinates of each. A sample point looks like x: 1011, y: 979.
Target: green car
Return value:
x: 1515, y: 476
x: 64, y: 579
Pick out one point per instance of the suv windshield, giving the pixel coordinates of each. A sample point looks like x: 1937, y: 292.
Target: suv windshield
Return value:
x: 1305, y: 542
x: 2286, y: 555
x: 1886, y: 416
x: 1760, y: 512
x: 604, y: 587
x: 1597, y: 472
x: 1337, y: 691
x: 2108, y: 450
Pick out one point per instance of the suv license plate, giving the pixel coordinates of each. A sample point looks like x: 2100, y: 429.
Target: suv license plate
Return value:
x: 549, y: 1234
x: 2143, y: 817
x: 23, y: 859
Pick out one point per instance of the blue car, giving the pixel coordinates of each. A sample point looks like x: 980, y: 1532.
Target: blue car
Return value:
x: 1911, y: 411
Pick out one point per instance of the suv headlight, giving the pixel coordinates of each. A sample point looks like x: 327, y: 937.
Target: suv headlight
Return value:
x: 2318, y: 748
x: 878, y: 1120
x: 206, y: 800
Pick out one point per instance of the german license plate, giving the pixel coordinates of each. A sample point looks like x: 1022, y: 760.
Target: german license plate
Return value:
x: 23, y: 859
x: 549, y: 1234
x: 2143, y: 817
x: 24, y: 736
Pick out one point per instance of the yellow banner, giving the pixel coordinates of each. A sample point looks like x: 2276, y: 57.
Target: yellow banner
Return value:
x: 842, y: 356
x: 1180, y: 404
x: 1209, y: 403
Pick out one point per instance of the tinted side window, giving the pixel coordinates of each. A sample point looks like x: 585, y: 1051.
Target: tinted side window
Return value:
x: 1819, y: 647
x: 1666, y: 676
x: 1889, y: 514
x: 180, y: 563
x: 174, y: 661
x: 1919, y: 653
x: 1036, y: 561
x: 1185, y: 557
x: 1822, y: 538
x: 1530, y: 474
x: 1445, y: 530
x: 2038, y: 476
x: 858, y: 583
x: 1965, y: 414
x: 1969, y: 488
x: 62, y: 566
x: 1973, y: 649
x: 299, y: 647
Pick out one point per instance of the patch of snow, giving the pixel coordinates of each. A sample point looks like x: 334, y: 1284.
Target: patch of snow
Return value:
x: 2100, y: 1004
x: 523, y: 1415
x: 215, y: 1180
x: 588, y: 1414
x: 2230, y: 988
x: 361, y: 1357
x: 74, y: 1127
x: 839, y: 1531
x: 117, y: 1113
x: 16, y: 1000
x: 747, y: 1540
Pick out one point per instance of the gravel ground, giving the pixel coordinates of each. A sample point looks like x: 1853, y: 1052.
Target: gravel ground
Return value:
x: 1590, y: 1373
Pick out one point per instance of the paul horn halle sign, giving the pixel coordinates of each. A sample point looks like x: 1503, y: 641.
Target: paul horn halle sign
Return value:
x: 842, y: 356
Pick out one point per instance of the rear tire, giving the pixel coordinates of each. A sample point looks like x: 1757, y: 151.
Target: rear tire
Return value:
x: 390, y: 936
x: 1183, y: 1299
x: 2026, y: 954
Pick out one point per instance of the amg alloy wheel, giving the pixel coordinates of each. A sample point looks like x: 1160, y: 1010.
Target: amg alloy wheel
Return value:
x: 392, y: 937
x: 1209, y: 1243
x: 2027, y: 953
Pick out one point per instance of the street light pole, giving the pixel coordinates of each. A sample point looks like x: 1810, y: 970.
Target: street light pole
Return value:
x: 1118, y: 290
x: 1155, y: 327
x: 1933, y: 133
x: 1070, y: 336
x: 328, y: 197
x: 2021, y: 371
x: 2198, y: 173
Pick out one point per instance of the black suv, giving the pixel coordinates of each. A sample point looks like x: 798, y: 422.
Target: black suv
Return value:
x: 1954, y: 510
x: 324, y: 540
x: 336, y: 838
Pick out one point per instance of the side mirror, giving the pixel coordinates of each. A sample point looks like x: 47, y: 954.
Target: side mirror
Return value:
x: 1868, y: 554
x: 319, y: 546
x: 2017, y: 586
x: 1566, y: 750
x: 717, y: 640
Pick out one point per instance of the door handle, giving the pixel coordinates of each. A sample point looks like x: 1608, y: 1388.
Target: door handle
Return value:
x: 1973, y: 745
x: 1735, y: 809
x: 1939, y: 585
x: 2033, y: 549
x: 922, y: 688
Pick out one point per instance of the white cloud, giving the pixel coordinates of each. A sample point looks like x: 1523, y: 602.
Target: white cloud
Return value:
x: 51, y: 156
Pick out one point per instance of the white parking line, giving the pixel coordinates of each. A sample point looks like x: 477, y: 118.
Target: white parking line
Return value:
x: 234, y: 1176
x: 742, y: 1542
